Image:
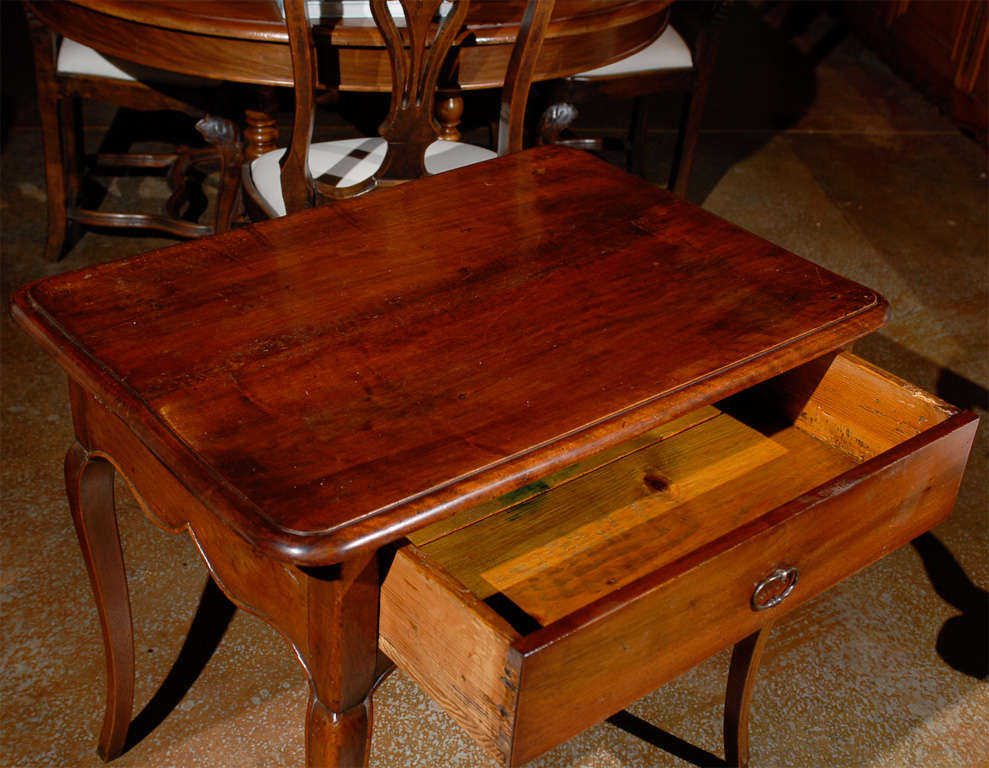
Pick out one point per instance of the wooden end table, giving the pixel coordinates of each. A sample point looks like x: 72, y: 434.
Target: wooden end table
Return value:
x: 538, y: 433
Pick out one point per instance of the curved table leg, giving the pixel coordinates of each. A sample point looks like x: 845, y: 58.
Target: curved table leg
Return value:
x: 89, y: 483
x: 745, y: 657
x: 337, y: 739
x: 328, y: 614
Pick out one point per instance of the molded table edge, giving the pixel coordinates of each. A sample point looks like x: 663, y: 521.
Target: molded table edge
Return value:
x: 432, y: 504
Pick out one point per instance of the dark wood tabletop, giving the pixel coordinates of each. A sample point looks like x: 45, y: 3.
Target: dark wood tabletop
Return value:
x: 336, y: 379
x: 246, y: 40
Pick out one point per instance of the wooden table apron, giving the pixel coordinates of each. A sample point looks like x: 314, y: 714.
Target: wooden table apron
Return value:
x: 314, y: 573
x: 246, y: 41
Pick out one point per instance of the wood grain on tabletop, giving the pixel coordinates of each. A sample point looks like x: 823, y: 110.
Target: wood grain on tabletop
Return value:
x: 362, y: 369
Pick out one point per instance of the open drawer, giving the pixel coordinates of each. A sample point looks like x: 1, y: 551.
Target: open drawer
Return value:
x: 539, y: 614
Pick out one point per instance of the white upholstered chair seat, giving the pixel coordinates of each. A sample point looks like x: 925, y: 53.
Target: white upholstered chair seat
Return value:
x: 667, y: 52
x: 348, y: 9
x: 351, y: 161
x: 78, y: 59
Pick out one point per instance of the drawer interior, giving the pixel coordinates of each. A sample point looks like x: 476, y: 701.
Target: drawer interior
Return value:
x: 539, y: 613
x: 562, y: 543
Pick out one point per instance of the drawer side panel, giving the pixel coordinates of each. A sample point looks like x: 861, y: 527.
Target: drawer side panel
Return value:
x: 452, y: 645
x: 855, y: 406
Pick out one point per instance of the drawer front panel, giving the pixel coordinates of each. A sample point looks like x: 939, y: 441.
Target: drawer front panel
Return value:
x: 587, y: 666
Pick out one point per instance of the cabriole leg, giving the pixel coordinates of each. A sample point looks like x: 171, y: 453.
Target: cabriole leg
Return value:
x: 89, y: 482
x: 745, y: 657
x: 337, y: 739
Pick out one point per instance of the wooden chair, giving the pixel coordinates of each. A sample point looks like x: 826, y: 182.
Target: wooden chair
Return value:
x: 673, y: 62
x: 67, y: 73
x: 307, y: 174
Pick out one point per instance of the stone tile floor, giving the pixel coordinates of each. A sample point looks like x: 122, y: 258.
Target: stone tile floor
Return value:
x: 810, y: 142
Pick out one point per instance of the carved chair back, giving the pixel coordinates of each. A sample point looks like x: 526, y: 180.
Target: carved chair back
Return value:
x: 418, y: 50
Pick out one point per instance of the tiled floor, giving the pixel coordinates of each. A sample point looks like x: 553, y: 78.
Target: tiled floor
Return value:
x: 810, y: 142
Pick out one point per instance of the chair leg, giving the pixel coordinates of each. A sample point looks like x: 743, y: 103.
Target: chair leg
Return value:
x: 178, y: 181
x: 223, y: 135
x: 744, y: 666
x: 48, y: 110
x: 638, y: 136
x: 690, y: 125
x: 89, y: 482
x: 686, y: 142
x: 74, y: 153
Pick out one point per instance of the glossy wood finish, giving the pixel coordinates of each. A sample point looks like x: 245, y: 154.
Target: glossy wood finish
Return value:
x: 393, y: 326
x: 302, y: 394
x: 89, y: 485
x: 342, y: 620
x: 247, y: 41
x: 328, y: 616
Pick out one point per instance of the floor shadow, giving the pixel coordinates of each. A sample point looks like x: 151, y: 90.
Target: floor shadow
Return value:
x: 212, y: 618
x: 133, y: 131
x: 667, y: 742
x: 764, y: 82
x: 963, y: 641
x: 16, y: 71
x: 960, y: 391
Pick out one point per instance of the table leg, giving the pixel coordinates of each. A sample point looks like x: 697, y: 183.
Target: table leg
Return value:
x: 328, y: 614
x: 745, y: 657
x: 342, y: 662
x: 89, y: 482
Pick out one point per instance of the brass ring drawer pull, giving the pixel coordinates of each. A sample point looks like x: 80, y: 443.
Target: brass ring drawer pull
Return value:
x: 775, y: 588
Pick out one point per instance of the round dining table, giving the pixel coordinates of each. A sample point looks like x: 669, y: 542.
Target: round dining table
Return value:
x: 246, y: 41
